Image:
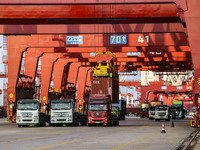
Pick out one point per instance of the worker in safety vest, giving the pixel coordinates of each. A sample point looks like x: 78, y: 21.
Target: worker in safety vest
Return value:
x: 11, y: 108
x: 61, y: 97
x: 44, y: 108
x: 116, y: 111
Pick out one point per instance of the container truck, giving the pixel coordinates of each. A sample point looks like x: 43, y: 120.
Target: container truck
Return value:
x: 104, y: 91
x: 177, y: 110
x: 162, y: 112
x: 63, y: 112
x: 144, y: 110
x: 29, y: 113
x: 99, y: 109
x: 152, y: 108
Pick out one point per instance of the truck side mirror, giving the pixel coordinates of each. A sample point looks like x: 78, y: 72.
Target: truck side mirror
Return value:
x: 110, y: 106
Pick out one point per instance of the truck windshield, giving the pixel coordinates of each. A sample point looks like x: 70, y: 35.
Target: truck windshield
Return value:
x: 161, y: 108
x: 27, y: 106
x: 61, y: 105
x: 97, y: 107
x: 144, y: 109
x: 152, y: 108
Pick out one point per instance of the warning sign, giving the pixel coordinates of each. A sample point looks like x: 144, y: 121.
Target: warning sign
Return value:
x: 11, y: 95
x: 44, y: 98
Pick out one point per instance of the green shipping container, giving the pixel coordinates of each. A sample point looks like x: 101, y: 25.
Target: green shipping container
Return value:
x: 177, y: 103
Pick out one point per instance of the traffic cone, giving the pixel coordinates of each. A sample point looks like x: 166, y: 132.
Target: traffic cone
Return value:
x: 163, y: 128
x: 172, y: 124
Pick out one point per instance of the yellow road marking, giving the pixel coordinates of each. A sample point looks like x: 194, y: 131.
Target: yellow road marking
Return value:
x: 68, y: 142
x: 75, y: 140
x: 135, y: 141
x: 146, y: 137
x: 37, y: 137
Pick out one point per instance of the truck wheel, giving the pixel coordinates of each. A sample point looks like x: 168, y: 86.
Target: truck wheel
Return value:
x: 89, y: 125
x: 19, y: 126
x: 117, y: 123
x: 111, y: 123
x: 75, y: 121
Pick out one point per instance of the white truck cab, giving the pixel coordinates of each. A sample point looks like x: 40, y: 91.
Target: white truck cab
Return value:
x: 162, y: 113
x: 29, y: 113
x: 62, y: 112
x: 151, y: 113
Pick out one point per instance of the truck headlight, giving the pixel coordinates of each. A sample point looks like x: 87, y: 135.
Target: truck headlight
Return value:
x: 36, y: 118
x: 88, y: 118
x: 53, y: 117
x: 18, y: 118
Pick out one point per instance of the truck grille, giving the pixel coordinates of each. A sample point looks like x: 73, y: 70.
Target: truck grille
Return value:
x: 97, y: 120
x: 152, y: 113
x: 27, y: 114
x: 61, y: 114
x: 27, y: 119
x: 162, y: 113
x: 98, y: 114
x: 61, y: 119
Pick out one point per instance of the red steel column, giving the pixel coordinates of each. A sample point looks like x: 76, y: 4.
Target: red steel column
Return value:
x: 31, y: 61
x: 192, y: 17
x: 73, y: 70
x: 16, y: 46
x: 58, y: 73
x: 82, y: 78
x: 46, y: 67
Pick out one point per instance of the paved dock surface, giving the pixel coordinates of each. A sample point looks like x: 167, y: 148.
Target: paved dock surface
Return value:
x: 132, y: 134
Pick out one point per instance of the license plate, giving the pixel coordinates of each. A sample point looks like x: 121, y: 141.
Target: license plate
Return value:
x: 97, y: 122
x: 27, y: 122
x: 61, y: 121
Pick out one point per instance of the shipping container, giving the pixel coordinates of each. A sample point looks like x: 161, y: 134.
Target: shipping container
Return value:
x: 101, y: 85
x: 177, y: 103
x: 154, y: 103
x: 144, y: 106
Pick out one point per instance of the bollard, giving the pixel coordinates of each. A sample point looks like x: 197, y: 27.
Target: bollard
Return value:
x: 172, y: 124
x: 163, y: 128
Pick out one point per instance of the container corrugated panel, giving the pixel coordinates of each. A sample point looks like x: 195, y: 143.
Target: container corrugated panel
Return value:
x: 177, y: 103
x: 109, y: 86
x: 144, y: 105
x: 153, y: 104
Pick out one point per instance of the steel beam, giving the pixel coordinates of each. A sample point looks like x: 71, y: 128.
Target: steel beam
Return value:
x: 90, y: 49
x: 90, y: 13
x: 103, y: 40
x: 91, y: 28
x: 180, y: 3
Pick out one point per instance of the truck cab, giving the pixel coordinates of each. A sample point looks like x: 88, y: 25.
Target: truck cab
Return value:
x: 152, y: 108
x: 152, y: 111
x: 177, y: 110
x: 162, y: 112
x: 63, y: 112
x: 29, y: 113
x: 99, y: 110
x: 144, y: 110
